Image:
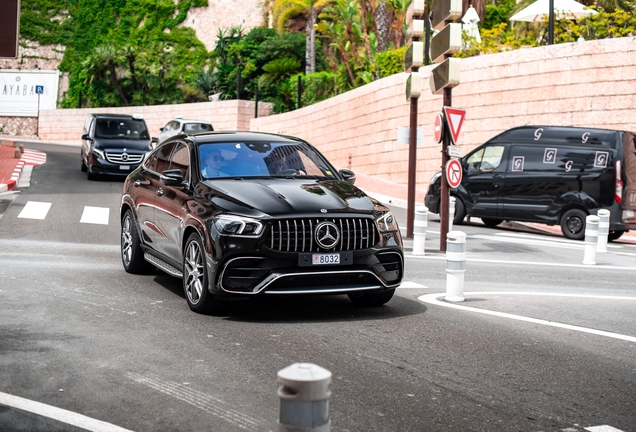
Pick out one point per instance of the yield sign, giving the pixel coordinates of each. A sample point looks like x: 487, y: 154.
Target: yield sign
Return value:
x: 455, y: 120
x: 453, y: 173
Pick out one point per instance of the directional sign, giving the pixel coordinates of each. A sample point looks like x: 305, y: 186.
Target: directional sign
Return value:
x: 453, y: 173
x: 455, y: 120
x: 445, y: 10
x: 414, y: 85
x: 445, y: 74
x: 447, y: 41
x: 439, y: 128
x: 39, y: 89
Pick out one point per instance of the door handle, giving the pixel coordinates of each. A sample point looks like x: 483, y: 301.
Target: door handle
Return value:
x: 160, y: 191
x: 137, y: 183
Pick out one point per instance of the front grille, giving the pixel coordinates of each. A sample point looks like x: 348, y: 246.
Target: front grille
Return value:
x: 297, y: 235
x: 119, y: 158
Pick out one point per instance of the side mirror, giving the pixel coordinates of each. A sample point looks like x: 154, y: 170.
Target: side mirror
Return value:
x: 348, y: 175
x: 160, y: 129
x: 86, y: 137
x: 172, y: 177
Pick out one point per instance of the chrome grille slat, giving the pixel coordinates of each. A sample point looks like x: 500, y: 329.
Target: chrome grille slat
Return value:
x: 297, y: 235
x: 116, y: 157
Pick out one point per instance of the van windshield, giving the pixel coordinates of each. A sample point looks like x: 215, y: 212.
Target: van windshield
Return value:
x: 121, y: 128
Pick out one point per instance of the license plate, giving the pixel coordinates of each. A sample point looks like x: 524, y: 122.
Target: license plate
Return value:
x: 322, y: 259
x: 124, y: 167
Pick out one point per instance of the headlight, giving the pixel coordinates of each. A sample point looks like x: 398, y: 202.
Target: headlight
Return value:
x: 436, y: 176
x: 99, y: 153
x: 387, y: 223
x: 237, y: 225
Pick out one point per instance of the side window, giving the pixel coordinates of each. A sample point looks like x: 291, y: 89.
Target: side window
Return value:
x: 151, y: 161
x: 485, y: 160
x: 181, y: 160
x: 163, y: 157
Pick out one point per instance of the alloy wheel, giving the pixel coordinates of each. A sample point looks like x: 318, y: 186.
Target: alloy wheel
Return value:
x: 194, y: 272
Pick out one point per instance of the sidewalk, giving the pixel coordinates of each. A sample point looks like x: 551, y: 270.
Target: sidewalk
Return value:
x: 10, y: 167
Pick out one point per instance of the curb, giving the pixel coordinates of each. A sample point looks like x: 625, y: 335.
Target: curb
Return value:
x: 15, y: 178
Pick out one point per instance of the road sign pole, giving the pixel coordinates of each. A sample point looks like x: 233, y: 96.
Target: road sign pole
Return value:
x: 445, y: 191
x: 37, y: 119
x: 410, y: 208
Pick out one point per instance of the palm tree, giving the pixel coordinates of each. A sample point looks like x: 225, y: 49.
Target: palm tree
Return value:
x: 284, y: 10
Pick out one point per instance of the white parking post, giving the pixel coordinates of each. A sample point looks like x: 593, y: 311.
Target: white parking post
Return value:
x: 451, y: 212
x: 304, y: 398
x: 603, y: 230
x: 591, y: 239
x: 455, y: 265
x: 419, y: 232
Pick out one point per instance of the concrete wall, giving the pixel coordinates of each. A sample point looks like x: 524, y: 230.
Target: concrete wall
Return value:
x: 589, y: 83
x: 65, y: 125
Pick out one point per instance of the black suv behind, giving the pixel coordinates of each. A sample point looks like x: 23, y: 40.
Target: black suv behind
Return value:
x: 113, y: 144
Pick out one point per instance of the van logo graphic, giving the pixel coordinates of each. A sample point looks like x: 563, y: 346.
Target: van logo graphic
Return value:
x: 517, y: 163
x: 568, y: 165
x: 538, y: 133
x: 549, y: 156
x: 600, y: 161
x: 585, y: 137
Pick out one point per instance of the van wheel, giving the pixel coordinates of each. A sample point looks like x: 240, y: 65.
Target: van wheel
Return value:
x: 491, y: 222
x: 615, y: 235
x: 460, y: 212
x: 573, y: 224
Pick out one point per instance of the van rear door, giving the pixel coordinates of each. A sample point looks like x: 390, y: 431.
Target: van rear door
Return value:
x: 629, y: 175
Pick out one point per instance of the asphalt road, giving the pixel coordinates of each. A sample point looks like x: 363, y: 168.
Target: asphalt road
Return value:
x: 542, y: 342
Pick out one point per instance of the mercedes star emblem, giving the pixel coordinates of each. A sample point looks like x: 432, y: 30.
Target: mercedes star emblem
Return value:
x: 327, y: 235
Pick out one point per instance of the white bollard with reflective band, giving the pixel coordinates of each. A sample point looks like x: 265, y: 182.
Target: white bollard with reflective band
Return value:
x: 304, y: 398
x: 451, y: 212
x: 419, y: 230
x: 603, y: 230
x: 591, y: 239
x: 455, y: 265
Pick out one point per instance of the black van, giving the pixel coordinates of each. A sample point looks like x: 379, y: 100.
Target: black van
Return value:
x: 113, y: 144
x: 548, y: 174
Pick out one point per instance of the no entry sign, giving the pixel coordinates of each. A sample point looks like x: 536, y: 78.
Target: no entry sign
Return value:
x: 453, y: 173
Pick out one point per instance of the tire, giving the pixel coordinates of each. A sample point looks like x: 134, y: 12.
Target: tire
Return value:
x: 371, y: 298
x: 460, y: 212
x: 615, y: 235
x: 573, y: 224
x: 195, y: 278
x: 491, y: 222
x: 132, y: 256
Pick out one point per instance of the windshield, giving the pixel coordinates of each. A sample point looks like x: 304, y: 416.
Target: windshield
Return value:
x: 263, y: 159
x: 121, y: 128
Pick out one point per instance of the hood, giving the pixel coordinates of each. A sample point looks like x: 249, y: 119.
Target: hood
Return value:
x: 285, y: 196
x: 117, y: 144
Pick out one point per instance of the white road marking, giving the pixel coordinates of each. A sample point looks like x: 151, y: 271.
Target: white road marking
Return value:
x: 35, y: 210
x: 409, y: 284
x: 62, y: 415
x: 440, y: 257
x: 95, y: 215
x: 433, y: 299
x: 530, y: 241
x: 603, y: 428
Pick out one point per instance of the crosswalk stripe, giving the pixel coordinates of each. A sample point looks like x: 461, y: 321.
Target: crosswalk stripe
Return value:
x: 95, y: 215
x: 35, y: 210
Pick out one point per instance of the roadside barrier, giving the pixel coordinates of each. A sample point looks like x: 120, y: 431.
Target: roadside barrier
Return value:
x: 603, y: 230
x: 455, y: 265
x: 420, y: 225
x: 451, y: 212
x: 591, y: 239
x: 304, y: 398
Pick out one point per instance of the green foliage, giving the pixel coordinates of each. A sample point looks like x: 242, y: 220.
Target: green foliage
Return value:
x: 390, y: 62
x: 602, y: 25
x: 119, y: 52
x: 498, y: 13
x: 316, y: 87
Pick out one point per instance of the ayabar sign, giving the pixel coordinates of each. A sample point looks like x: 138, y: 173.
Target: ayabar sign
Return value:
x: 23, y: 93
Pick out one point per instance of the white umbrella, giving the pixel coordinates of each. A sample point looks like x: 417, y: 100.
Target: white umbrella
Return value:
x: 563, y: 9
x: 470, y: 20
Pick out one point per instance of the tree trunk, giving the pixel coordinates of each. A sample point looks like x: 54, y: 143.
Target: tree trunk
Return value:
x: 113, y: 77
x: 382, y: 26
x: 310, y: 45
